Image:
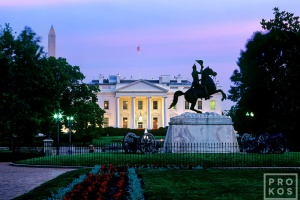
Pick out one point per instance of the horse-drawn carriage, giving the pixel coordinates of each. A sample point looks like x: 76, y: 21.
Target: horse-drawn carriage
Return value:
x: 145, y: 143
x: 264, y: 143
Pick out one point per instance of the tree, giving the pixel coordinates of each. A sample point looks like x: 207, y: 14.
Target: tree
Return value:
x: 266, y: 82
x: 6, y: 65
x: 89, y: 123
x: 34, y: 86
x: 74, y: 98
x: 20, y: 61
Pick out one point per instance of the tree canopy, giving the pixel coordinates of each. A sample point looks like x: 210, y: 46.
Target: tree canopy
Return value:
x: 266, y: 82
x: 34, y: 86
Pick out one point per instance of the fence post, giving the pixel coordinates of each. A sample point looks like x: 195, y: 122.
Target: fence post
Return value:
x: 48, y: 146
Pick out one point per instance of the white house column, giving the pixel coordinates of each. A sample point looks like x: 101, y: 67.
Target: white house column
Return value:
x: 165, y: 112
x: 117, y: 112
x: 133, y: 112
x: 149, y: 113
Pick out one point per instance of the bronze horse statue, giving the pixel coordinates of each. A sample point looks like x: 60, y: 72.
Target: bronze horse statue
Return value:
x: 192, y: 94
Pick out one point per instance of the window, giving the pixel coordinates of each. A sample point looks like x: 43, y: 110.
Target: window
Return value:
x: 140, y: 125
x: 140, y: 105
x: 199, y: 105
x: 125, y: 122
x: 212, y: 105
x: 105, y: 122
x: 155, y: 123
x: 155, y: 105
x: 106, y: 104
x: 125, y: 105
x: 186, y: 105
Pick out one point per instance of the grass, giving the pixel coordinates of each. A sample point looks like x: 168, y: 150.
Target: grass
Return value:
x: 108, y: 139
x: 204, y: 184
x: 180, y: 184
x: 290, y: 159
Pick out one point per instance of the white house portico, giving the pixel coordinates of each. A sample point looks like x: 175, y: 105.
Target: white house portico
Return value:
x: 140, y: 104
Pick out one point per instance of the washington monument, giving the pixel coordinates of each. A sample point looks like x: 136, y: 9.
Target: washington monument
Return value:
x: 51, y: 43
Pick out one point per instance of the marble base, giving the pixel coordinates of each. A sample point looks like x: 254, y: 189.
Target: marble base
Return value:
x: 195, y: 133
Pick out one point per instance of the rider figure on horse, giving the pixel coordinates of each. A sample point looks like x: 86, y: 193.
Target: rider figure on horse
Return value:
x: 195, y: 83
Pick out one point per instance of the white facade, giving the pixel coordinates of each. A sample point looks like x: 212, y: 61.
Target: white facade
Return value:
x: 144, y: 103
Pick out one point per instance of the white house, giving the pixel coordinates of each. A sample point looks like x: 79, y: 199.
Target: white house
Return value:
x: 144, y: 104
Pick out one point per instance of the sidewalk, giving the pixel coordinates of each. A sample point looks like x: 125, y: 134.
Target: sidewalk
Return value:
x: 15, y: 181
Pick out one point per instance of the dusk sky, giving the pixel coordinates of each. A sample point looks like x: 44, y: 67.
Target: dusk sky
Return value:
x: 102, y: 36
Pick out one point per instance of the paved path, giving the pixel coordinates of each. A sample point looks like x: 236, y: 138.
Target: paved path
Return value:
x: 15, y: 181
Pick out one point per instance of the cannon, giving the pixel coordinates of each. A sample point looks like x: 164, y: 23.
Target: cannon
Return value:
x: 145, y: 143
x: 264, y: 143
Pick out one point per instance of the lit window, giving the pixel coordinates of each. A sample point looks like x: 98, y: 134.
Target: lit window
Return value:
x: 155, y: 123
x: 212, y: 105
x: 125, y: 105
x: 186, y: 105
x: 199, y: 105
x: 140, y: 105
x: 155, y: 105
x: 125, y: 122
x: 105, y: 122
x: 106, y: 104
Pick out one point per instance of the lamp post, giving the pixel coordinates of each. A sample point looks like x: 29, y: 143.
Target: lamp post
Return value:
x: 70, y: 124
x: 250, y: 115
x: 57, y: 117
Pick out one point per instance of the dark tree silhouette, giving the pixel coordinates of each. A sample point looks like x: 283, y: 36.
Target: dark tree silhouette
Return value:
x: 266, y: 82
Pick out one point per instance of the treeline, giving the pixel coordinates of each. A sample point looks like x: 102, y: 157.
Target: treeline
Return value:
x: 266, y: 85
x: 34, y: 87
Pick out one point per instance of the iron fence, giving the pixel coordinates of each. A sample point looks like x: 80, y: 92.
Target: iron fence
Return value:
x: 194, y: 154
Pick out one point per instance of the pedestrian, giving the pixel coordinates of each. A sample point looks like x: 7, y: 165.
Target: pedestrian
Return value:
x: 91, y: 147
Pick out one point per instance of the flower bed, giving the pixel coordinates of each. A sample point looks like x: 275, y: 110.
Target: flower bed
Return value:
x: 110, y: 182
x: 105, y: 182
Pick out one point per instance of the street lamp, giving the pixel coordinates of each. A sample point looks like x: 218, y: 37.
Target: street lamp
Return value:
x: 250, y: 115
x: 57, y: 117
x: 70, y: 124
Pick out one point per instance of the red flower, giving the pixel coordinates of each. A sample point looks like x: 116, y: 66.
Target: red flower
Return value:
x: 101, y: 186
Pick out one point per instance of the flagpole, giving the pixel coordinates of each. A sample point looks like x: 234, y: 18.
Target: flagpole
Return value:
x: 139, y: 64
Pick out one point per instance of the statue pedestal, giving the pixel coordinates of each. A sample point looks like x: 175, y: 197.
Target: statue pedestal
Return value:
x: 200, y: 133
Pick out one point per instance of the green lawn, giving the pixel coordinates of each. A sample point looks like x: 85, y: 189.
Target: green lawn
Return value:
x: 204, y: 184
x: 288, y: 159
x: 109, y: 139
x: 181, y: 184
x: 172, y: 184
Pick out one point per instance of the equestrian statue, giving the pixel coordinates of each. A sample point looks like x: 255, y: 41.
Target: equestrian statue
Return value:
x: 197, y: 90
